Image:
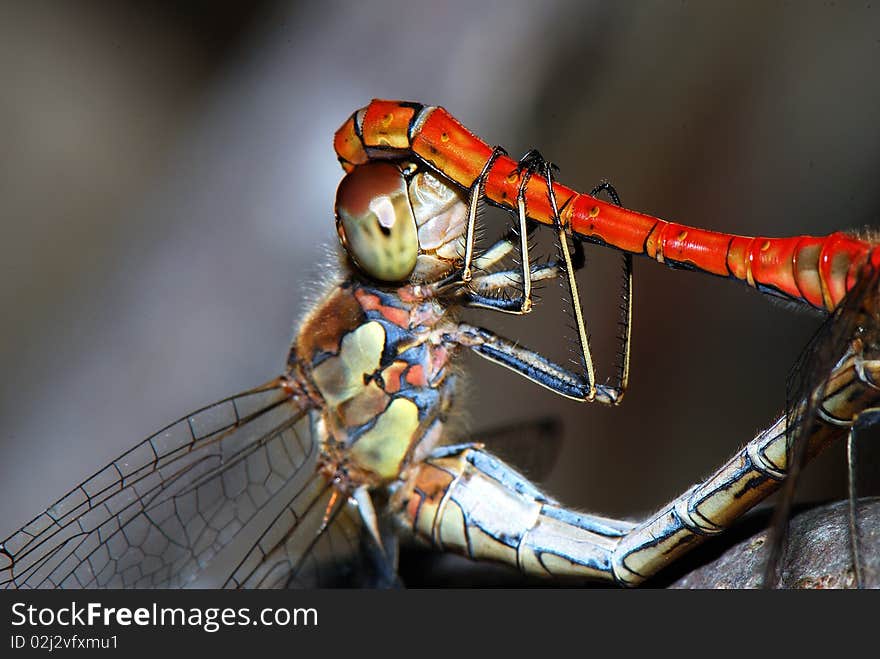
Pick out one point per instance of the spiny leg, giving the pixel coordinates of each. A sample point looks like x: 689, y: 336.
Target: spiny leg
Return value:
x: 866, y: 419
x: 497, y: 290
x: 500, y: 282
x: 852, y: 498
x: 609, y: 189
x: 476, y: 193
x: 625, y: 309
x: 530, y: 364
x: 531, y: 162
x: 501, y: 248
x: 488, y: 292
x: 496, y: 253
x: 625, y: 319
x: 524, y: 361
x: 490, y: 289
x: 569, y: 265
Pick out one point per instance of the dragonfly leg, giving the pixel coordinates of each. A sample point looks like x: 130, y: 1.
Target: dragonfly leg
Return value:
x: 489, y: 291
x: 498, y: 251
x: 610, y: 190
x: 505, y: 245
x: 498, y: 290
x: 866, y: 419
x: 465, y: 500
x: 530, y: 163
x: 569, y: 265
x: 530, y: 364
x: 852, y: 505
x: 495, y: 254
x: 527, y: 362
x: 476, y: 195
x: 624, y: 336
x: 492, y: 290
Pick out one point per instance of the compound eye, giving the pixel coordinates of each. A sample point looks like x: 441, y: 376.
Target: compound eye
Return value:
x: 375, y: 221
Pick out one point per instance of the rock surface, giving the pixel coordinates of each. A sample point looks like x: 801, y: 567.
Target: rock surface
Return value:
x: 818, y: 553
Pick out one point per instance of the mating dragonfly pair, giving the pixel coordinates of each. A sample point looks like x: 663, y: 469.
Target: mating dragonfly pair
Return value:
x: 311, y: 478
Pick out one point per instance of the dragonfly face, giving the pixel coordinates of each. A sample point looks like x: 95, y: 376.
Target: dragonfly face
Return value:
x: 398, y: 223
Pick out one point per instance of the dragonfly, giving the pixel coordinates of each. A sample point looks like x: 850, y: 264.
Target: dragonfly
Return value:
x: 811, y: 270
x: 310, y: 478
x: 819, y: 272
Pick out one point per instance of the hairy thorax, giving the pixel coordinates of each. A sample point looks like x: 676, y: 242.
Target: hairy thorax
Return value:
x: 381, y: 365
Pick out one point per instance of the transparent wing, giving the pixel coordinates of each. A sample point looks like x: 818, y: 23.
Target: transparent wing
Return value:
x: 856, y: 317
x: 294, y: 551
x: 160, y: 514
x: 534, y: 445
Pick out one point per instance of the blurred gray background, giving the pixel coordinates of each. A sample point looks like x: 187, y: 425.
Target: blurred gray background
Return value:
x: 167, y: 181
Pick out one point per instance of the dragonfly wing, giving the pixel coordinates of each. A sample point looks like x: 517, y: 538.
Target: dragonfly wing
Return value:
x: 533, y: 446
x: 303, y: 546
x: 159, y: 515
x: 855, y: 317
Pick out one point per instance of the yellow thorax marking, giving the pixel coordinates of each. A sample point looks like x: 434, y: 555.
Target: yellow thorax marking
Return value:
x: 341, y: 377
x: 383, y: 447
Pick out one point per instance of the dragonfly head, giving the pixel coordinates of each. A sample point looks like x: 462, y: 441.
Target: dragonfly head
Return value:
x: 400, y: 223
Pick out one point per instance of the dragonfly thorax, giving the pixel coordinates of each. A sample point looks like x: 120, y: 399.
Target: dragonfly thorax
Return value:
x: 400, y: 223
x: 380, y: 364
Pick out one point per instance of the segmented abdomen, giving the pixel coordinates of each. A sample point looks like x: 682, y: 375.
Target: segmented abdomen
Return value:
x: 815, y: 270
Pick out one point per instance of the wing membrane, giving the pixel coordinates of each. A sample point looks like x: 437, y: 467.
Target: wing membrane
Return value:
x: 159, y: 514
x: 294, y: 551
x: 856, y: 317
x: 533, y: 445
